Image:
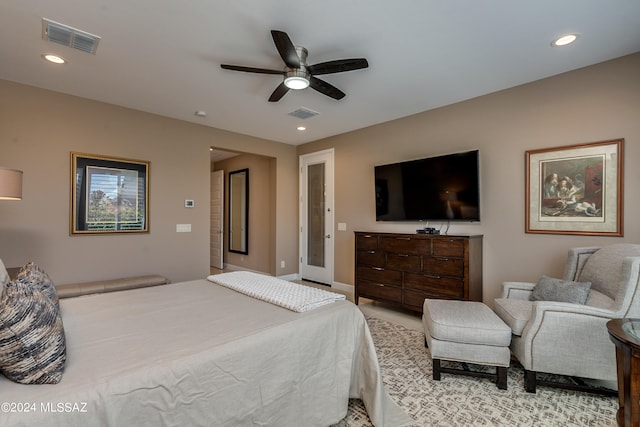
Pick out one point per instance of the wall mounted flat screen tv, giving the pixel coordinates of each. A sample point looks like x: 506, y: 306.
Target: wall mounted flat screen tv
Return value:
x: 442, y: 188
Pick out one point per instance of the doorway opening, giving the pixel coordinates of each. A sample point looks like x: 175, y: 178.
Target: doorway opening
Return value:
x: 260, y: 247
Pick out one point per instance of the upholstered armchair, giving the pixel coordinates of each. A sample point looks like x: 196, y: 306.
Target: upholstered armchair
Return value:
x: 569, y: 338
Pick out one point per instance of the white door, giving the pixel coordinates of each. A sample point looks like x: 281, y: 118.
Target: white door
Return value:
x: 216, y: 239
x: 316, y: 216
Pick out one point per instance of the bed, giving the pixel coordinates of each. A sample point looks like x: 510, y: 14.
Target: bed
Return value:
x: 197, y: 353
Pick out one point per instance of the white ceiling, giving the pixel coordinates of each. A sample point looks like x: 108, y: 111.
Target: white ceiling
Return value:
x: 164, y: 56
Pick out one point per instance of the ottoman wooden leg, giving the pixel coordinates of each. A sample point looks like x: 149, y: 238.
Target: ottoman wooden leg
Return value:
x: 501, y: 377
x: 436, y: 369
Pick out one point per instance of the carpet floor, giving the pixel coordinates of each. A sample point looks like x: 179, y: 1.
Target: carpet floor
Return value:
x: 468, y: 401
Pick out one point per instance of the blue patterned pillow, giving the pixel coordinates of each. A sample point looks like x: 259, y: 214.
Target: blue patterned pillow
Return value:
x: 32, y: 341
x: 36, y: 277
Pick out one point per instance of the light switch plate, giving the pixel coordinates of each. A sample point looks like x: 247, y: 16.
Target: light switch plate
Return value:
x: 183, y: 228
x: 342, y: 226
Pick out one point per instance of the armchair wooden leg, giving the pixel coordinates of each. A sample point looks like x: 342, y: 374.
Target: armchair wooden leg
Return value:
x: 436, y: 369
x: 501, y: 377
x: 530, y: 381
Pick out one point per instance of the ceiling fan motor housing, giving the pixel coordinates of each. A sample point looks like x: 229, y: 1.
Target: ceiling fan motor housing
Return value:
x: 298, y: 78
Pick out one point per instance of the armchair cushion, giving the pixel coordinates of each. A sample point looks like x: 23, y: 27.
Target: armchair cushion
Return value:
x: 604, y: 268
x: 550, y: 289
x: 514, y: 312
x: 600, y: 300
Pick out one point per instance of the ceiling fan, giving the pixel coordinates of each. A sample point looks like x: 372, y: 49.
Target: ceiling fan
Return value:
x: 297, y: 74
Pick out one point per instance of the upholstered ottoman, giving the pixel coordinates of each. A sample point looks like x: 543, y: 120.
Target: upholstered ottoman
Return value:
x: 468, y: 332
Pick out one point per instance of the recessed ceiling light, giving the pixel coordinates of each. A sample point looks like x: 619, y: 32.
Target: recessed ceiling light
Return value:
x: 301, y: 128
x: 564, y: 40
x: 54, y: 58
x: 201, y: 113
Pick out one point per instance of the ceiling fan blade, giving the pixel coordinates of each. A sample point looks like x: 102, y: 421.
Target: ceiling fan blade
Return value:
x: 338, y: 66
x: 286, y: 49
x: 250, y: 69
x: 277, y: 94
x: 325, y: 88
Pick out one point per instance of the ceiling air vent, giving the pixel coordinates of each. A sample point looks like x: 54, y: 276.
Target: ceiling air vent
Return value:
x: 303, y: 113
x: 62, y: 34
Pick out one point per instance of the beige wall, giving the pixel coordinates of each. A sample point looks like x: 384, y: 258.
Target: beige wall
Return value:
x: 592, y: 104
x: 261, y: 245
x: 38, y: 131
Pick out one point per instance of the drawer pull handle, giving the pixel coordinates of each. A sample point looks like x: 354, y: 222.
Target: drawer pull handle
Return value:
x: 377, y: 268
x: 433, y: 276
x: 403, y: 238
x: 371, y: 252
x: 442, y: 259
x: 380, y: 285
x: 403, y: 255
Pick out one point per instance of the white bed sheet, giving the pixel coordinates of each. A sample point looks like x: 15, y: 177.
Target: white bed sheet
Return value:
x: 196, y: 353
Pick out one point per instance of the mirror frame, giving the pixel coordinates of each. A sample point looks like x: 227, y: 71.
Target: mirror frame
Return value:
x: 242, y: 218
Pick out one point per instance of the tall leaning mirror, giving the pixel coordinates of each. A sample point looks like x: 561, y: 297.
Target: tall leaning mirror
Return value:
x: 239, y: 211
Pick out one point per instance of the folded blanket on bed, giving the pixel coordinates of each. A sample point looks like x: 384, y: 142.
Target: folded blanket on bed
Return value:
x: 295, y: 297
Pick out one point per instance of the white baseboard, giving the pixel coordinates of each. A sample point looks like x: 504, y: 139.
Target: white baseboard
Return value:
x: 290, y: 277
x: 343, y: 287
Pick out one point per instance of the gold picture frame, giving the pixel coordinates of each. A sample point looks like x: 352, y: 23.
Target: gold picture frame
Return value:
x: 575, y: 189
x: 109, y: 195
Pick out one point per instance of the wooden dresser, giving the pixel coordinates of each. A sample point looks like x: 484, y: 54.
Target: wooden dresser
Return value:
x: 404, y: 269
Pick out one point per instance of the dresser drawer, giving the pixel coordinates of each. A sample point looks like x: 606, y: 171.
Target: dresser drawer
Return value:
x: 372, y: 257
x: 405, y: 245
x: 379, y: 291
x: 415, y: 299
x: 438, y: 285
x: 380, y: 275
x: 443, y: 266
x: 403, y: 262
x: 448, y: 248
x: 366, y: 242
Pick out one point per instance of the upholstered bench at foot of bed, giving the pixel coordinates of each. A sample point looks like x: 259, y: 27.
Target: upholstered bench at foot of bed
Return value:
x: 467, y: 332
x: 101, y: 286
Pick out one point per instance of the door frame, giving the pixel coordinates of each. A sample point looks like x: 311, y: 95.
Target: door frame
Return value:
x: 326, y: 157
x: 221, y: 202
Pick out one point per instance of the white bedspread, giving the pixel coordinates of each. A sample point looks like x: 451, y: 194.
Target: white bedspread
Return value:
x: 199, y: 354
x: 276, y: 291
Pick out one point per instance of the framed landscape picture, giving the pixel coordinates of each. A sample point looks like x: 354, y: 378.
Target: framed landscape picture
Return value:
x: 109, y: 195
x: 576, y: 189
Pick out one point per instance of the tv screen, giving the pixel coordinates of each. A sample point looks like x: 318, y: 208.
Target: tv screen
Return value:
x: 442, y: 188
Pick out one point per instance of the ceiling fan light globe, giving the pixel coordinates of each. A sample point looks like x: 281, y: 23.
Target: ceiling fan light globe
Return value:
x: 296, y: 82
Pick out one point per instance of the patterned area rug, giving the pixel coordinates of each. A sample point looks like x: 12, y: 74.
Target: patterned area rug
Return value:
x: 459, y: 400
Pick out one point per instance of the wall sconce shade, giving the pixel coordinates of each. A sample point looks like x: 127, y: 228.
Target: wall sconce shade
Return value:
x: 10, y: 184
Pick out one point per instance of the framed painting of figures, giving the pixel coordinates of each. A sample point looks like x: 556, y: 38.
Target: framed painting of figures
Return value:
x: 576, y: 189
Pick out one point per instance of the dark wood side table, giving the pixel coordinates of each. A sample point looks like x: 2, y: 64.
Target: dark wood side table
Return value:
x: 625, y: 334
